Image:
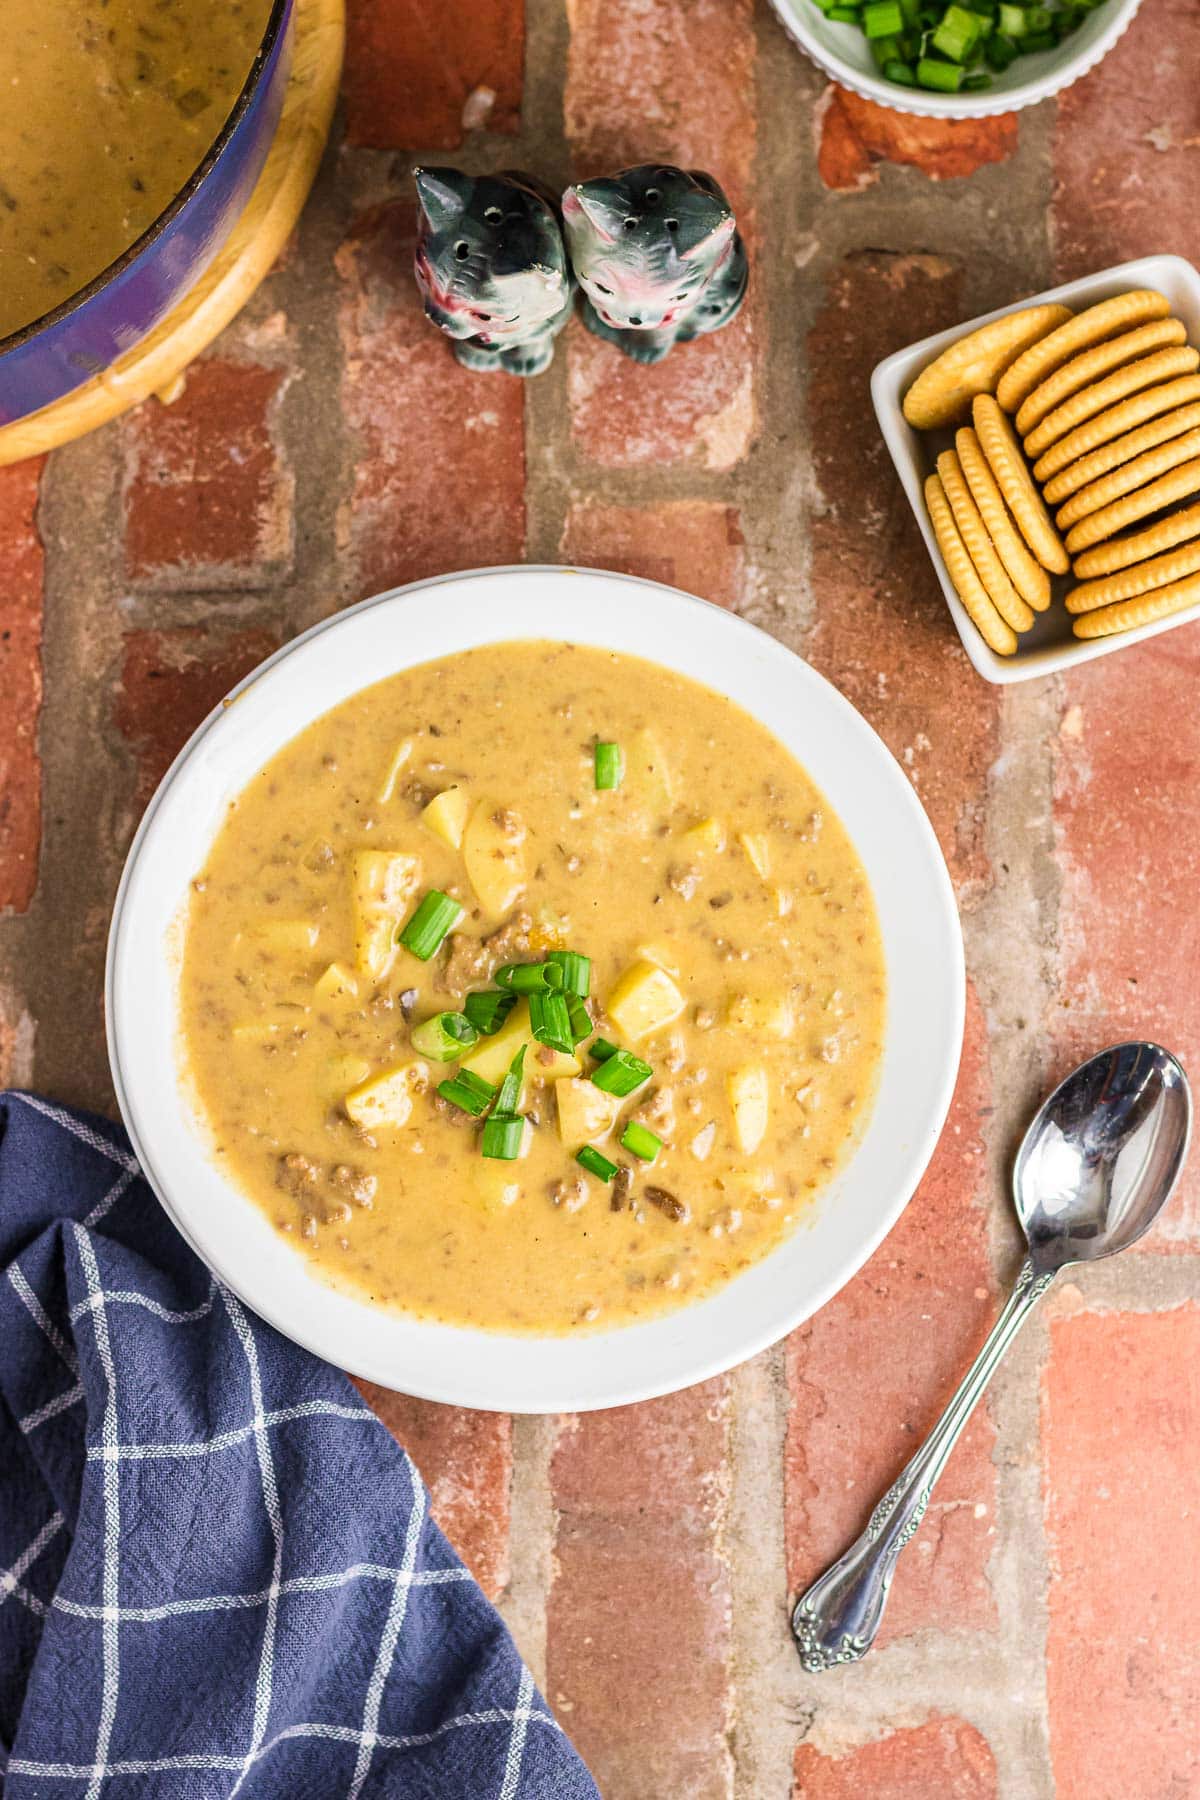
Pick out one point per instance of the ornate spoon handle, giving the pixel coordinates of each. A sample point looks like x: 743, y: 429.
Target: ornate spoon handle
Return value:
x: 837, y: 1619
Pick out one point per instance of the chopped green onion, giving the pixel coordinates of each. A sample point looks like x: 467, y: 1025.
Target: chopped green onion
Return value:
x: 522, y: 978
x: 945, y: 77
x: 487, y: 1010
x: 901, y: 72
x: 435, y: 916
x: 581, y: 1019
x: 602, y: 1049
x: 958, y: 34
x: 595, y: 1164
x: 1001, y: 52
x: 640, y: 1141
x: 470, y: 1093
x: 502, y: 1134
x: 609, y: 763
x: 975, y: 83
x: 1012, y: 20
x: 843, y: 15
x: 620, y: 1073
x: 882, y: 19
x: 576, y: 971
x: 884, y: 50
x: 445, y: 1037
x: 510, y: 1088
x: 550, y: 1021
x: 1036, y: 40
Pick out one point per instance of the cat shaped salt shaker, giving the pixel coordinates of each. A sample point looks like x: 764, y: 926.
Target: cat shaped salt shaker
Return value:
x: 657, y: 253
x: 492, y: 267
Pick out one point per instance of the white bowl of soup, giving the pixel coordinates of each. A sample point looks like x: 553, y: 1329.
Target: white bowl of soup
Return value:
x: 535, y: 989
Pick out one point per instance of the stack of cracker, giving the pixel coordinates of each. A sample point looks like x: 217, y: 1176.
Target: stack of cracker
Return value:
x: 1106, y: 407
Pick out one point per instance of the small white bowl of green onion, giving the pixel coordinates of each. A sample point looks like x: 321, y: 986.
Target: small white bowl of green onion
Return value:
x: 955, y: 59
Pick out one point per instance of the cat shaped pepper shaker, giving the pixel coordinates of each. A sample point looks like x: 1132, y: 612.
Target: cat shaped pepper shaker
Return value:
x: 492, y: 267
x: 657, y: 253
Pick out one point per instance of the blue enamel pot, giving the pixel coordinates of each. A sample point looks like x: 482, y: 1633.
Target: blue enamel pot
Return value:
x: 87, y: 333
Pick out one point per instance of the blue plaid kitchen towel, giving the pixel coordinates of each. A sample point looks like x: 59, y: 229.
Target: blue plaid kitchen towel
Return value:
x: 218, y: 1573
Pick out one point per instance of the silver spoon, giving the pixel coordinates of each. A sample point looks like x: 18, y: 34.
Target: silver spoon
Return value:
x: 1095, y: 1169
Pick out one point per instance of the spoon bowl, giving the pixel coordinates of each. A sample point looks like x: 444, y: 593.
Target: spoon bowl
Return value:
x: 1102, y: 1156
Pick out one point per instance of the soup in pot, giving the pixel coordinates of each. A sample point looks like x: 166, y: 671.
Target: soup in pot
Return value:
x: 109, y: 106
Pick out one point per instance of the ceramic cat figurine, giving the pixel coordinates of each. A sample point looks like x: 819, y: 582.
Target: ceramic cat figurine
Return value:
x: 492, y: 267
x: 657, y: 253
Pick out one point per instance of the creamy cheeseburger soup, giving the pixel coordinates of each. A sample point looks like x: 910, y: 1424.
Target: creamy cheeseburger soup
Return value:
x: 107, y: 107
x: 536, y: 989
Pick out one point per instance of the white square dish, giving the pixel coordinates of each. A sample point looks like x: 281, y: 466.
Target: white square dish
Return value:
x: 1051, y: 644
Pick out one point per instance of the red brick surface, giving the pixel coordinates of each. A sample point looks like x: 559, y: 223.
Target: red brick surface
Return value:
x: 946, y: 1759
x: 169, y: 681
x: 20, y: 685
x: 465, y: 1459
x: 208, y: 502
x: 883, y: 634
x: 855, y: 136
x: 1127, y: 148
x: 693, y: 544
x: 414, y: 66
x: 1122, y: 1473
x: 1128, y: 829
x: 870, y: 1373
x: 439, y: 473
x: 638, y: 1627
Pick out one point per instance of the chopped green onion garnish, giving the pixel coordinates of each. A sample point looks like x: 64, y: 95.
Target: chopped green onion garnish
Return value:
x: 502, y: 1134
x: 1036, y: 40
x: 510, y: 1088
x: 576, y: 971
x: 976, y: 83
x: 470, y: 1093
x: 944, y: 76
x: 581, y: 1019
x: 958, y: 34
x: 609, y: 763
x: 1001, y: 52
x: 445, y: 1037
x: 595, y: 1164
x: 901, y: 72
x: 640, y: 1141
x: 621, y: 1072
x: 1012, y: 20
x: 884, y: 50
x: 487, y: 1010
x: 522, y: 978
x: 882, y: 18
x: 435, y: 916
x: 843, y: 15
x: 602, y: 1049
x: 550, y: 1021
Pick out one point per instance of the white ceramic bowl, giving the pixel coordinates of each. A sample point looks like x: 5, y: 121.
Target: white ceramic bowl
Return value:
x: 876, y: 803
x: 1050, y: 644
x: 843, y: 53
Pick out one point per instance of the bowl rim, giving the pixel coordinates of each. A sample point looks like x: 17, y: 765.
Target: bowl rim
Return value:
x: 927, y: 105
x: 457, y: 1365
x: 276, y: 21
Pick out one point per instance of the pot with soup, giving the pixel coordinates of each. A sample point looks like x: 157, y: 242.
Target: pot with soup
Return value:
x: 535, y: 989
x: 131, y: 136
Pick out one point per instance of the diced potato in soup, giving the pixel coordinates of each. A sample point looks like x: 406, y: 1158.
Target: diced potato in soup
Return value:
x: 630, y: 1079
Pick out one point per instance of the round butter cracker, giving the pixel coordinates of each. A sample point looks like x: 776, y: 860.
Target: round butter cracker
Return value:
x: 1178, y: 485
x: 983, y: 615
x: 1127, y: 614
x: 980, y: 548
x: 1086, y: 328
x: 1152, y: 540
x: 942, y: 393
x: 1091, y: 364
x: 1160, y: 571
x: 1148, y: 371
x: 1026, y: 572
x: 1127, y: 415
x: 1128, y: 478
x: 999, y: 444
x: 1110, y: 456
